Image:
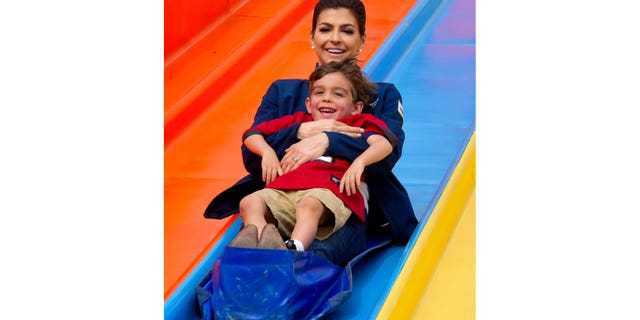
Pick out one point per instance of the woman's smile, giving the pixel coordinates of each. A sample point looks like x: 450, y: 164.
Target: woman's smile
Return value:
x: 336, y: 36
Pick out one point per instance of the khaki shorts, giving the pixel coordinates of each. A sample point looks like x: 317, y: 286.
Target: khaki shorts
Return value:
x: 282, y: 204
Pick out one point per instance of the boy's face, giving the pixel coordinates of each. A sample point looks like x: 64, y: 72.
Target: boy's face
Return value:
x: 331, y: 97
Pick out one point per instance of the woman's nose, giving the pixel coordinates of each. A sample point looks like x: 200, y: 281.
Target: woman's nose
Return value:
x: 335, y: 36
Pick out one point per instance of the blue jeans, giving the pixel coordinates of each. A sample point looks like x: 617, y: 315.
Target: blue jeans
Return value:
x: 344, y: 244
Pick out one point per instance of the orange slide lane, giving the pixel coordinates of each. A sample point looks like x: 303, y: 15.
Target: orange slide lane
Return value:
x: 212, y: 90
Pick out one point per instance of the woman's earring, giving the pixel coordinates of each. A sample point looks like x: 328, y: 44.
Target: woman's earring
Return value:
x: 313, y: 47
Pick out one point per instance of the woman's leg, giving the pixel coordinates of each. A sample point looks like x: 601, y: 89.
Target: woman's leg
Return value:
x: 344, y: 244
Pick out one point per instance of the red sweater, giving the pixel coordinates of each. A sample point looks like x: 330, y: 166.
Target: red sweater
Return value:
x: 324, y: 172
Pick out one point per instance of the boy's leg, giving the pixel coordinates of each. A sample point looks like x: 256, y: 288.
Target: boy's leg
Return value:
x: 310, y: 212
x: 252, y: 210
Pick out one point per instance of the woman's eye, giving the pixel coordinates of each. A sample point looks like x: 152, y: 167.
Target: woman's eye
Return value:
x: 323, y: 30
x: 348, y: 31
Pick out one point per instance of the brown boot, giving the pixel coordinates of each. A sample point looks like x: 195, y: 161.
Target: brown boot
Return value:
x: 246, y: 238
x: 271, y: 239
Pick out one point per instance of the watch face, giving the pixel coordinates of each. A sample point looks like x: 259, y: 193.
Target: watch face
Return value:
x: 290, y: 245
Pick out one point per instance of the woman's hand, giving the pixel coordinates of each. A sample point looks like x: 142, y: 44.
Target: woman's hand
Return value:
x: 271, y: 168
x: 309, y: 129
x: 304, y: 151
x: 351, y: 179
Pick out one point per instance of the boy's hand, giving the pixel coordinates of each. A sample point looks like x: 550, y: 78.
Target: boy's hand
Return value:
x: 270, y: 167
x: 351, y: 180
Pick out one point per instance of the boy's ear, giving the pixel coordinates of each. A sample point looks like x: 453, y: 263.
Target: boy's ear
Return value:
x: 357, y: 108
x: 307, y: 103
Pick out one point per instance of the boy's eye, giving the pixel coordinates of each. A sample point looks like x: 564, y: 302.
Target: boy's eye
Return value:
x: 339, y: 94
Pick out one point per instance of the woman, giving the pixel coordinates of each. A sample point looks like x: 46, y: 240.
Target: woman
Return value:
x: 338, y: 33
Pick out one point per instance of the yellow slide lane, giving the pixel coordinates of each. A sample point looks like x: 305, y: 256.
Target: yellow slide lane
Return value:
x: 438, y: 279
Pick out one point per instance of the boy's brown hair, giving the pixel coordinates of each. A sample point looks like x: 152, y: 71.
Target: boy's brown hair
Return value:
x: 361, y: 88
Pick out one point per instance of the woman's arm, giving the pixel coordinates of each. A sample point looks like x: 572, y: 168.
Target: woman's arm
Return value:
x: 312, y: 128
x: 314, y: 142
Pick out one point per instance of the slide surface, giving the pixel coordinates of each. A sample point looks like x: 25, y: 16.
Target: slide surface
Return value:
x: 426, y: 48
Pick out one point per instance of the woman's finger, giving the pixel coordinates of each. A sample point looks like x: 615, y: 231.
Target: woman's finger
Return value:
x: 349, y: 130
x: 287, y: 164
x: 296, y: 163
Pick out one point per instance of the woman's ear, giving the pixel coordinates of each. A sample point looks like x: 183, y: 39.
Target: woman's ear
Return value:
x: 357, y: 108
x: 364, y: 40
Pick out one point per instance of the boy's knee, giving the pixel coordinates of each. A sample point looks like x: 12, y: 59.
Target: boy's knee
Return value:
x: 310, y: 203
x: 310, y: 208
x: 251, y: 202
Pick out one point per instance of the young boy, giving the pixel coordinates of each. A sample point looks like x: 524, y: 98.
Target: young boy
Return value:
x: 319, y: 196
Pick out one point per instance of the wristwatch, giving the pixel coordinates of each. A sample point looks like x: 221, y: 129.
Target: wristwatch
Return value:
x: 290, y: 245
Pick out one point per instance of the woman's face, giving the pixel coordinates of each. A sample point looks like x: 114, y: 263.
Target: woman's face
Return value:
x: 337, y: 36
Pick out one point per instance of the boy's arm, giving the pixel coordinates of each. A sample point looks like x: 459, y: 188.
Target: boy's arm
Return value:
x: 379, y: 148
x: 270, y: 164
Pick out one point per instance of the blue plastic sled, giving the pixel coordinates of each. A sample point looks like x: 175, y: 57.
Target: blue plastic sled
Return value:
x: 276, y: 284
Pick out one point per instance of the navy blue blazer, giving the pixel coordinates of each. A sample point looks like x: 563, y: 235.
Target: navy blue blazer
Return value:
x: 389, y: 200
